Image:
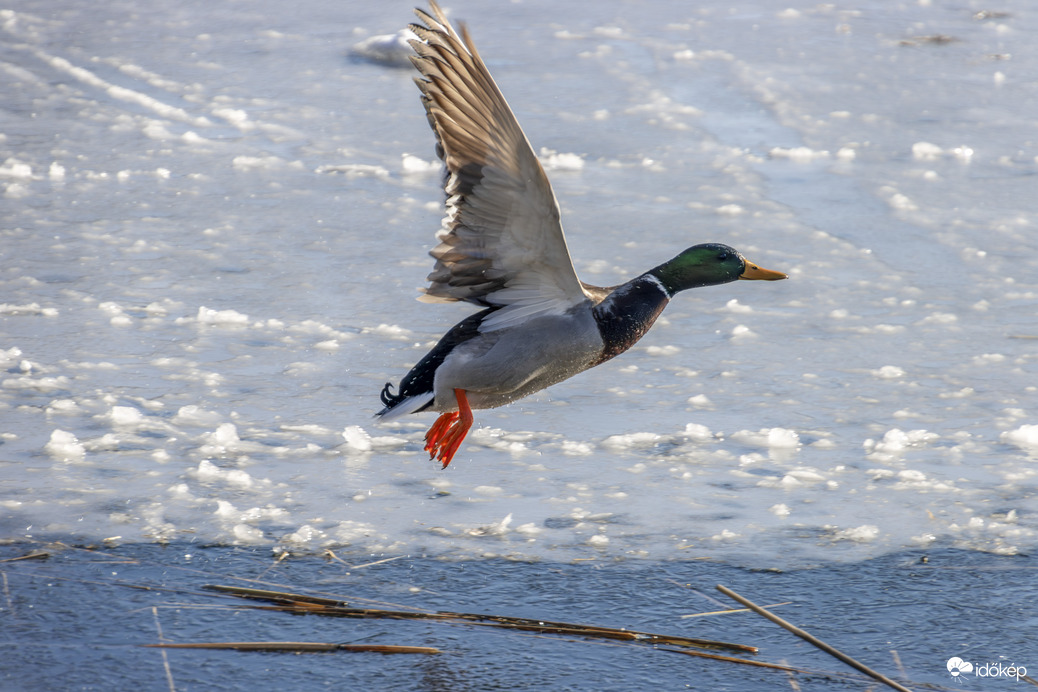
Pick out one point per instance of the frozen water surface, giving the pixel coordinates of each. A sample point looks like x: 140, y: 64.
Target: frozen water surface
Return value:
x: 215, y: 220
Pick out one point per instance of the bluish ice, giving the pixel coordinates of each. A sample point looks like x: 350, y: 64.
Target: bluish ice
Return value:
x: 216, y: 220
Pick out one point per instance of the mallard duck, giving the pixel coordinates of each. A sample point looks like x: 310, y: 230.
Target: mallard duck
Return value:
x: 501, y: 247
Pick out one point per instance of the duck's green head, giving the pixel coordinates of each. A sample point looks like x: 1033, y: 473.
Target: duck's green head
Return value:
x: 709, y: 264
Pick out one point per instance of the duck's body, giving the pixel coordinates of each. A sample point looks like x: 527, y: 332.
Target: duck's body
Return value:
x: 502, y: 247
x: 484, y: 365
x: 553, y: 348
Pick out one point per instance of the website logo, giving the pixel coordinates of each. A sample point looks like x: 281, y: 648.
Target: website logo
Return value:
x: 958, y: 667
x: 962, y: 670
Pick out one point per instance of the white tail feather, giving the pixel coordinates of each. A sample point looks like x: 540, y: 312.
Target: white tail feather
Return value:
x: 408, y: 405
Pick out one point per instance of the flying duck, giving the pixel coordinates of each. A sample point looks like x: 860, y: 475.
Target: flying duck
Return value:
x: 501, y: 247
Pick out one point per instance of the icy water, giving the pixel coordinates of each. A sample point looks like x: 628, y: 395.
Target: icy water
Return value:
x: 215, y: 220
x: 893, y: 613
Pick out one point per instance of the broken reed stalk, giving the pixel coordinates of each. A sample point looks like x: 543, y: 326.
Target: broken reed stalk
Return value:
x: 730, y: 611
x: 300, y: 603
x: 811, y: 639
x: 734, y: 659
x: 302, y: 647
x: 34, y: 555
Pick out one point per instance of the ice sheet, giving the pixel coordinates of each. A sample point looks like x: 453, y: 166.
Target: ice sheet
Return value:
x: 216, y: 220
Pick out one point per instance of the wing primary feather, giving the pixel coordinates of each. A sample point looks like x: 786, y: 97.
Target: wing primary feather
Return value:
x: 501, y: 243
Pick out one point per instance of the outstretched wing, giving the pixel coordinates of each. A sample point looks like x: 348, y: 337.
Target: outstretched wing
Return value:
x: 501, y: 243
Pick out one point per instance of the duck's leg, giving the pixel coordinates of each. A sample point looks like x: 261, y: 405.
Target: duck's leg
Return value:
x: 446, y: 434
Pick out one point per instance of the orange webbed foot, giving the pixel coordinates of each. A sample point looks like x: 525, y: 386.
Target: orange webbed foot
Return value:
x: 446, y: 434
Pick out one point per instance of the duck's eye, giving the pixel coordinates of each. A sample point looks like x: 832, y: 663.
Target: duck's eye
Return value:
x: 722, y: 257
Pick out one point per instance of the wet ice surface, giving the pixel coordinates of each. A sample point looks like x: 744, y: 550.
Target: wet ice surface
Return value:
x: 216, y: 220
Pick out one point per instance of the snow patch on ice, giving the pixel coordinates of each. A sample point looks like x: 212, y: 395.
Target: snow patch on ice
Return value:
x: 305, y: 536
x: 196, y: 416
x: 927, y: 151
x: 9, y: 356
x: 412, y: 165
x: 888, y: 372
x: 356, y: 439
x: 252, y: 515
x: 64, y: 446
x: 662, y: 110
x: 741, y: 331
x: 663, y: 351
x: 696, y: 432
x: 392, y: 331
x: 573, y: 448
x: 225, y: 441
x: 27, y: 309
x: 264, y: 163
x: 798, y: 154
x: 514, y: 442
x: 218, y: 318
x: 494, y: 529
x: 898, y: 201
x: 1025, y: 437
x: 39, y: 384
x: 769, y: 438
x: 734, y: 306
x: 939, y: 318
x: 556, y: 161
x: 530, y: 529
x: 392, y: 50
x: 127, y: 416
x: 637, y: 440
x: 349, y: 531
x: 14, y: 169
x: 895, y: 442
x: 795, y: 478
x: 865, y: 533
x: 208, y: 472
x: 63, y: 406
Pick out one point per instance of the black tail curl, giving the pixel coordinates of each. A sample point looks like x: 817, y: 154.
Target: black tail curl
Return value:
x: 389, y: 399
